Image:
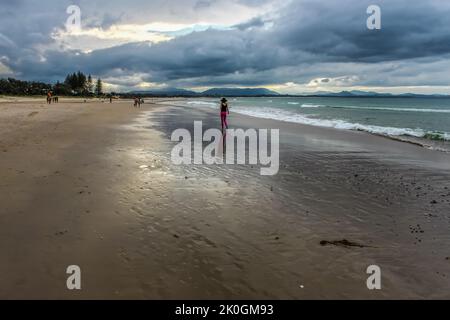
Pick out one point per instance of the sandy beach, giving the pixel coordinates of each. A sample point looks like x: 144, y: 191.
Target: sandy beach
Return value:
x: 92, y: 184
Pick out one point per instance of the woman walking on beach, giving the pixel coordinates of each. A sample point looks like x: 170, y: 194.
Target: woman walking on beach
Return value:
x: 224, y: 111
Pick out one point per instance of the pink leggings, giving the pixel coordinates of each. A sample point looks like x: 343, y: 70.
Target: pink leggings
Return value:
x: 223, y: 117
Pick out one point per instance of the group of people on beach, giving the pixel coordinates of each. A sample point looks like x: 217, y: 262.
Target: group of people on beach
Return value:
x: 51, y: 98
x: 224, y: 109
x: 138, y: 102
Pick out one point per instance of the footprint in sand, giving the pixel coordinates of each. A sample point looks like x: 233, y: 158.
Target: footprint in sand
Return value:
x: 32, y: 114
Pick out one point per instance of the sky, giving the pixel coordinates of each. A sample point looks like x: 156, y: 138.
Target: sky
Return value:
x: 290, y: 46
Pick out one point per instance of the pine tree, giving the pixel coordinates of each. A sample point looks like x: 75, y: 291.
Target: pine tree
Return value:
x: 81, y: 82
x: 90, y: 85
x: 77, y: 82
x: 70, y: 81
x: 99, y: 87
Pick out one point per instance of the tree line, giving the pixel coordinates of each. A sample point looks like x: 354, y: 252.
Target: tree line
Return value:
x: 75, y: 84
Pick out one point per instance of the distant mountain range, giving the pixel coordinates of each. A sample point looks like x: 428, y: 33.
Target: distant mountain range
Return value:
x: 258, y: 92
x: 214, y: 92
x: 357, y: 93
x: 241, y: 92
x: 165, y: 92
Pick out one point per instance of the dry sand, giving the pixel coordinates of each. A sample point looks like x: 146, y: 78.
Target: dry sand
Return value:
x: 92, y: 184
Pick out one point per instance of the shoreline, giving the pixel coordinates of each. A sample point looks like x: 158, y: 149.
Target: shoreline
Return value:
x: 327, y: 132
x: 424, y: 142
x: 440, y: 145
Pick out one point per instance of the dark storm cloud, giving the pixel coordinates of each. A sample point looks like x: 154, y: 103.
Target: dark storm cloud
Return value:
x: 305, y: 39
x: 212, y: 53
x: 257, y: 22
x: 28, y: 23
x: 338, y: 29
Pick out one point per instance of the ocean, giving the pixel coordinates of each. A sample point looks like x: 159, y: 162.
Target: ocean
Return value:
x: 424, y: 121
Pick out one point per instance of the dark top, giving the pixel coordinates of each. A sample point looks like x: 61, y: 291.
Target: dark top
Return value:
x: 224, y: 107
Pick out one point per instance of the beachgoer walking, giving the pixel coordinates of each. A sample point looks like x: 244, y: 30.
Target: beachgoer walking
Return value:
x: 224, y: 111
x: 49, y: 97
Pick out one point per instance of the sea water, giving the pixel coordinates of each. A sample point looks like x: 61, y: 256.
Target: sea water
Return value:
x: 425, y: 121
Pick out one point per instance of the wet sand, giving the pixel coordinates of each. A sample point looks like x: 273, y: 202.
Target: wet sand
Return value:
x: 92, y: 184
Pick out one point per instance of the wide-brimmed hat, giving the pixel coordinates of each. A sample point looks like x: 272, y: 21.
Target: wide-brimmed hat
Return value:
x: 224, y: 100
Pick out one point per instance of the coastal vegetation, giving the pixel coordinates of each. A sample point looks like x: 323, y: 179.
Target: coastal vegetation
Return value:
x: 75, y: 84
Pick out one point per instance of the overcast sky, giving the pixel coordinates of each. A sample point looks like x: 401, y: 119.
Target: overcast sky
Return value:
x: 296, y: 46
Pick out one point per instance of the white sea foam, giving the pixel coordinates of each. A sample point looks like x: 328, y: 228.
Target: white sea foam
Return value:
x: 205, y: 103
x: 287, y: 116
x: 307, y: 105
x: 392, y: 109
x: 281, y: 115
